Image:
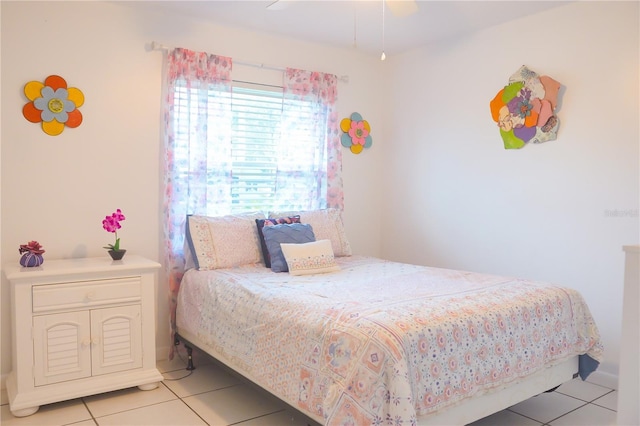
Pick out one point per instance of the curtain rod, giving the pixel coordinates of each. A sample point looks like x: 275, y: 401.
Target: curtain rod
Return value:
x: 157, y: 46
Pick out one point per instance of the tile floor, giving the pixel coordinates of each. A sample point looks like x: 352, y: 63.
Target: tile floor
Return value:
x: 212, y: 395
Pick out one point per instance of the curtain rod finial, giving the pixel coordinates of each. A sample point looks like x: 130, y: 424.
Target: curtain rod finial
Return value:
x: 154, y: 45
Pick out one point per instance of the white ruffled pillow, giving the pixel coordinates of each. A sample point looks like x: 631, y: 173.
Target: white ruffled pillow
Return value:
x: 309, y: 258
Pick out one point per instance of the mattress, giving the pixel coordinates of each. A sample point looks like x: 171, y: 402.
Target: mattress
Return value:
x: 381, y: 341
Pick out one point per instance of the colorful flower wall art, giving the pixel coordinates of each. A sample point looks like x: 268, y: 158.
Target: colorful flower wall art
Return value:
x: 356, y: 134
x: 525, y: 109
x: 53, y: 104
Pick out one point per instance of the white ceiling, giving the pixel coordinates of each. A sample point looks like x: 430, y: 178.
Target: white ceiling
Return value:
x: 357, y: 23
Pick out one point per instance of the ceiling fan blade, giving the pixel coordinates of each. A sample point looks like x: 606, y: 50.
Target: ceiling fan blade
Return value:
x: 402, y: 8
x: 279, y: 4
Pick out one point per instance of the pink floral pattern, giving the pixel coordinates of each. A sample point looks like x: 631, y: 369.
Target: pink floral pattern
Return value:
x: 321, y: 89
x: 225, y: 241
x: 189, y: 184
x: 381, y: 342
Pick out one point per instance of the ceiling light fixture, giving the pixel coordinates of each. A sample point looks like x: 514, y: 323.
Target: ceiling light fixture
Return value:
x: 383, y: 56
x: 355, y: 26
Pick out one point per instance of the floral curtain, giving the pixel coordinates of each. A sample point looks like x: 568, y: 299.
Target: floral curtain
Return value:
x: 325, y: 179
x: 196, y: 166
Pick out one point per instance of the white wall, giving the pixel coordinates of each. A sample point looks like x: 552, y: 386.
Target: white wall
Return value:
x: 540, y: 212
x: 58, y: 189
x: 463, y: 200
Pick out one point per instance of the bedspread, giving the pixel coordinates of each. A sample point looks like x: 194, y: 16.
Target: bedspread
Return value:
x: 381, y: 342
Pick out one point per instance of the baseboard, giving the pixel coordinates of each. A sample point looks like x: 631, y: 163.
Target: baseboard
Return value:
x: 603, y: 379
x: 162, y: 353
x: 4, y: 399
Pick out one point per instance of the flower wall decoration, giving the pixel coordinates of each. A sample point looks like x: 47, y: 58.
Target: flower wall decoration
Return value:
x: 53, y: 104
x: 525, y: 109
x: 356, y: 133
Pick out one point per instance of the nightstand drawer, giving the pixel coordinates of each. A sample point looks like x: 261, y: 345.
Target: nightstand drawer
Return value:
x: 86, y: 293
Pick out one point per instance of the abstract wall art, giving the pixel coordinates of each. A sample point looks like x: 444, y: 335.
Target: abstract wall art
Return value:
x: 525, y: 109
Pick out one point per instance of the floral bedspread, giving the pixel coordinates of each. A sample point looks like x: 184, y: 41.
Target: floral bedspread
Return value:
x: 381, y: 342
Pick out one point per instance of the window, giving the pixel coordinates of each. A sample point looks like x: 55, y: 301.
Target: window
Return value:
x: 272, y: 165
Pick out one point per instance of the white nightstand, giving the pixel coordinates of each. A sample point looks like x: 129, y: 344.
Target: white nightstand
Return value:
x: 81, y: 327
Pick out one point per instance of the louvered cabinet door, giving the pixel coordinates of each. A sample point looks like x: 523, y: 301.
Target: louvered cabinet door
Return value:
x: 62, y: 347
x: 116, y: 337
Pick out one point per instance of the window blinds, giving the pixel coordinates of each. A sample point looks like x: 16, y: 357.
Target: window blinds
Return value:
x: 270, y: 153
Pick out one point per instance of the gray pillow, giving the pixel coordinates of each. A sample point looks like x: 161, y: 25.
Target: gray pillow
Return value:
x: 292, y: 233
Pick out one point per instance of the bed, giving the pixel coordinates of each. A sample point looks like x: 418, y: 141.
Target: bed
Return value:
x: 362, y: 340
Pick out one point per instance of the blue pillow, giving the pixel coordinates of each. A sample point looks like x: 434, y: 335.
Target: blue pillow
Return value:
x: 261, y: 223
x: 294, y: 233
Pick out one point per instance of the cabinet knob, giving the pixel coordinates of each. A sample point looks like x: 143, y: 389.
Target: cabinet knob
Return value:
x: 85, y: 342
x: 90, y: 296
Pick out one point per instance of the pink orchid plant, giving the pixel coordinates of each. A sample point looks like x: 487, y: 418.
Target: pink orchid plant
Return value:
x: 112, y: 224
x: 31, y: 247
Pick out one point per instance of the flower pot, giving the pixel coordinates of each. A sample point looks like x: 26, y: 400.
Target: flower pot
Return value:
x: 31, y: 260
x: 117, y: 254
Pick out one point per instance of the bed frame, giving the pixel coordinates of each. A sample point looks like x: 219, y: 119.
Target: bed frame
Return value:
x: 467, y: 412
